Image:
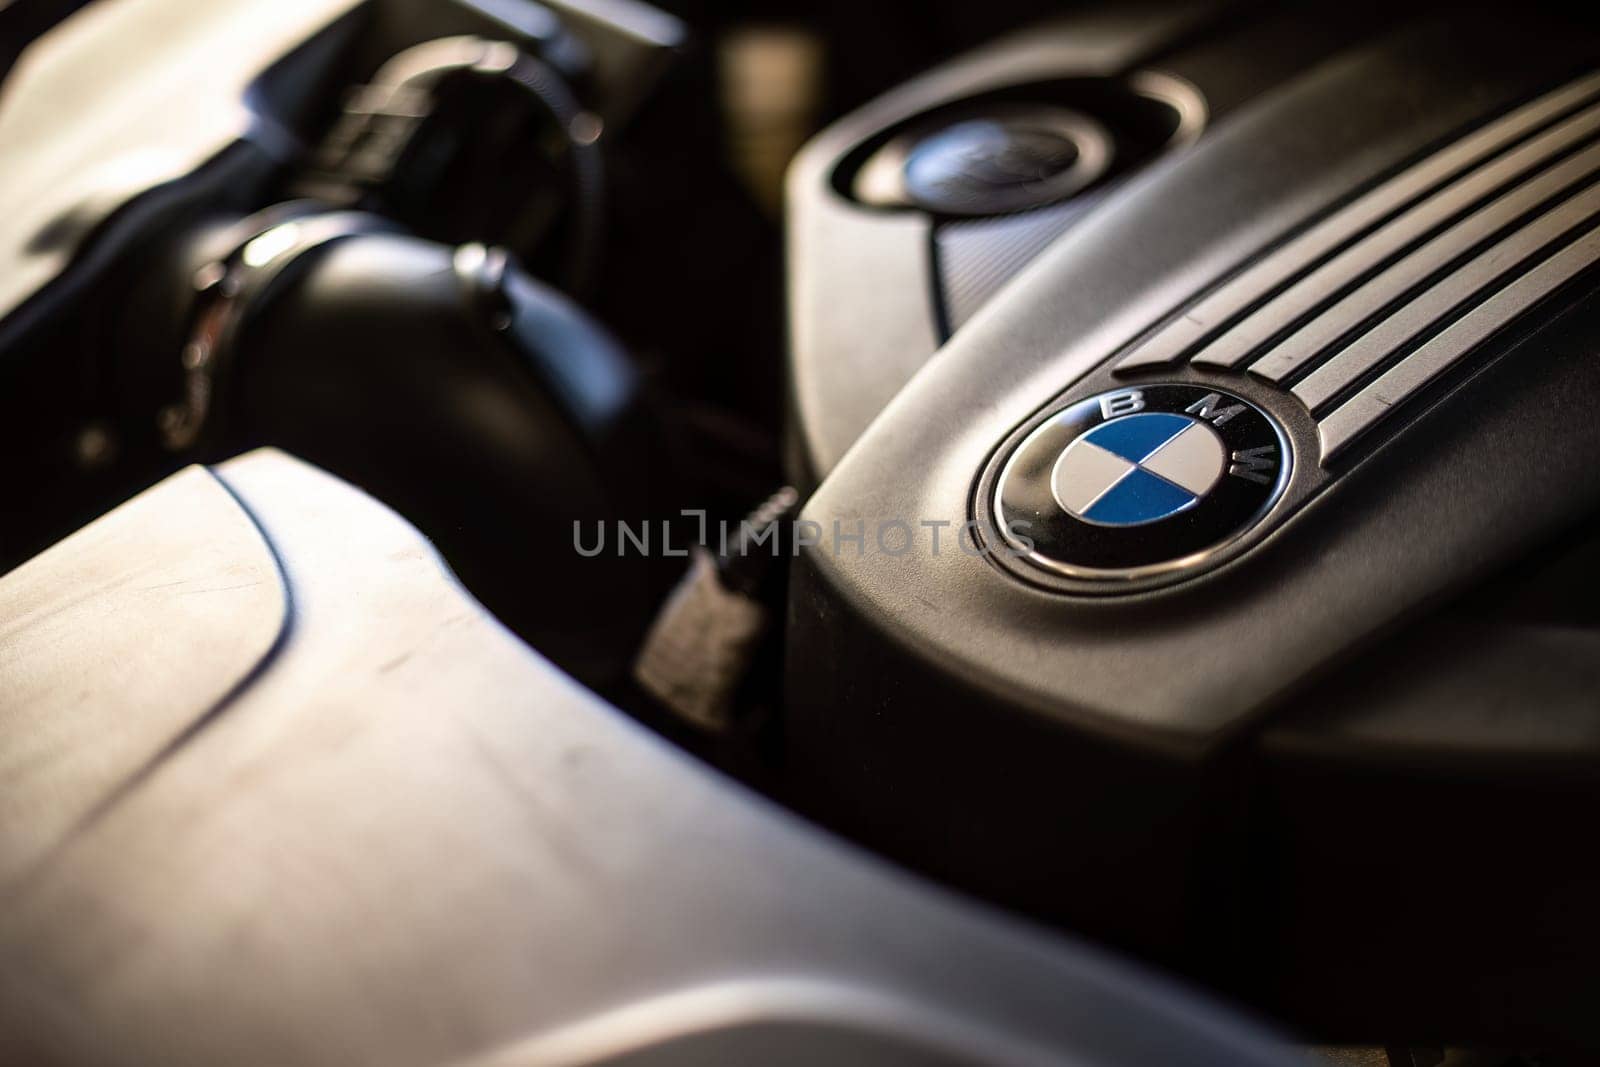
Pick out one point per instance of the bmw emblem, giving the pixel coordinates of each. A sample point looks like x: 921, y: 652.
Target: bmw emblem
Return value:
x: 1140, y: 482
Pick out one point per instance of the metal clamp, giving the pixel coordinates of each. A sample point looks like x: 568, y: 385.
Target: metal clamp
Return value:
x: 228, y: 286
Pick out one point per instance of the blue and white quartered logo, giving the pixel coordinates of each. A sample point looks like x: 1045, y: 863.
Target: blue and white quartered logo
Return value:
x: 1138, y: 469
x: 1139, y: 482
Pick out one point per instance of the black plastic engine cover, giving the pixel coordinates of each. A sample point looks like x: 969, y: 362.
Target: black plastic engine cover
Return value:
x: 1087, y: 750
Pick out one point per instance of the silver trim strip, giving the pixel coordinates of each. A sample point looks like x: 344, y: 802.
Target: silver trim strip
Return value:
x: 1399, y: 383
x: 1203, y: 317
x: 1488, y: 268
x: 1236, y: 345
x: 1317, y: 336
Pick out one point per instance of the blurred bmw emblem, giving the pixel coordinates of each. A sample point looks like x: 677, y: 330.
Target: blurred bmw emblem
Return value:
x: 1140, y: 481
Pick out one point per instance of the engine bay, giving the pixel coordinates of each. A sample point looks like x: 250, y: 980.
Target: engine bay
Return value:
x: 1121, y: 471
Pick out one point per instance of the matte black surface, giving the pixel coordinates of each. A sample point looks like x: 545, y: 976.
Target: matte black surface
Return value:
x: 864, y: 299
x: 1046, y: 746
x: 1427, y: 807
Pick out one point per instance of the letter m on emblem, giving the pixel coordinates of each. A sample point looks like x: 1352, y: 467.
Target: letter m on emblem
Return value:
x: 1206, y: 408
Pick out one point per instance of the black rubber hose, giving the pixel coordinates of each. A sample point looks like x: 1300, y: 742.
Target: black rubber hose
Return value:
x: 401, y: 95
x: 586, y: 235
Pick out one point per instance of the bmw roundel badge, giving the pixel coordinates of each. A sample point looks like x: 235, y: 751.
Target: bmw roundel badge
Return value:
x: 1139, y: 482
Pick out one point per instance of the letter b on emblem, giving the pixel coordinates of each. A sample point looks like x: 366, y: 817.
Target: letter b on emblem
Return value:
x: 1124, y: 403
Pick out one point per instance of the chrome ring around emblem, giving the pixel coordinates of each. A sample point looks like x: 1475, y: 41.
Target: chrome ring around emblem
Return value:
x: 1140, y: 482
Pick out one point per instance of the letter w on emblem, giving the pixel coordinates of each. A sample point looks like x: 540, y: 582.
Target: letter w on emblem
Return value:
x: 1255, y: 464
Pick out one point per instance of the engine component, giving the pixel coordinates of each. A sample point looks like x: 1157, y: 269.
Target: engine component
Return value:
x: 376, y: 155
x: 991, y: 161
x: 1137, y: 483
x: 1270, y: 408
x: 393, y: 737
x: 700, y: 645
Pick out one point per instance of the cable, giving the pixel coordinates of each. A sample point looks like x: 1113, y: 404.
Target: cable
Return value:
x: 587, y: 233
